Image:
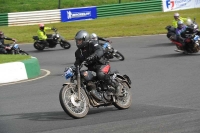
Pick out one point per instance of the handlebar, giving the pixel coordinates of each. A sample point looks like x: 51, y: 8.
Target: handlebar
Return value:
x: 82, y: 64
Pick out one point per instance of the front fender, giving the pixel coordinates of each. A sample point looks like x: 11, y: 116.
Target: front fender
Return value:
x: 68, y: 84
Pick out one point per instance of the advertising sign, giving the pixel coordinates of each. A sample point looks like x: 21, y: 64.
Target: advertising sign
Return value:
x: 197, y: 3
x: 75, y: 14
x: 173, y: 5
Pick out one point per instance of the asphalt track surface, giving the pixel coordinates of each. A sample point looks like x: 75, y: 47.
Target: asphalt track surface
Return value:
x: 165, y: 88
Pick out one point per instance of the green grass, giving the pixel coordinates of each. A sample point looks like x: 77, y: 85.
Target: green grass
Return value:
x: 13, y: 58
x: 118, y: 26
x: 35, y: 5
x: 129, y: 25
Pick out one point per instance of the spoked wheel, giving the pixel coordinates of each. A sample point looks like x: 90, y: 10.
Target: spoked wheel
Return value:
x: 65, y: 44
x: 38, y: 46
x: 23, y: 52
x: 119, y: 56
x: 124, y: 102
x: 70, y: 103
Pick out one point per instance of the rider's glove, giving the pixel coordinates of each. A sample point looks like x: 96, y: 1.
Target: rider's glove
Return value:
x: 109, y: 41
x: 90, y: 59
x: 53, y: 28
x: 14, y: 40
x: 8, y: 48
x: 73, y: 67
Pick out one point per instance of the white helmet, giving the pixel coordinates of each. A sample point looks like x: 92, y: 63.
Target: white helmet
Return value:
x: 93, y: 36
x: 176, y: 16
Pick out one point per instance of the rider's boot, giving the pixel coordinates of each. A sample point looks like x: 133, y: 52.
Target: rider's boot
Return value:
x: 117, y: 86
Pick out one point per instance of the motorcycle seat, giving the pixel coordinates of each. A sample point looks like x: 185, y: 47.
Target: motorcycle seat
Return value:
x: 35, y: 38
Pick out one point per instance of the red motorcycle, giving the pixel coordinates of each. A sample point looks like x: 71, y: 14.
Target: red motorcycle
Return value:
x: 192, y: 40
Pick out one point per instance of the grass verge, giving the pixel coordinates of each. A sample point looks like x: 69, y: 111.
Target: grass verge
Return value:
x: 36, y: 5
x: 118, y: 26
x: 13, y: 58
x: 129, y: 25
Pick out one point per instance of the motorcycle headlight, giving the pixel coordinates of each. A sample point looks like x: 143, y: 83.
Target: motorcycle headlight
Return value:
x: 109, y: 46
x: 57, y: 36
x: 16, y: 46
x: 68, y: 73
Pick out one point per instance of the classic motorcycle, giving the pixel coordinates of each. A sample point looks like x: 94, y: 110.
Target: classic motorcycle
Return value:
x: 110, y: 52
x: 15, y: 49
x: 192, y: 38
x: 53, y: 40
x: 78, y: 96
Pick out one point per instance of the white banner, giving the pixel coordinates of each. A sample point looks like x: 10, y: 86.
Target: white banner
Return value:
x: 197, y: 3
x: 173, y: 5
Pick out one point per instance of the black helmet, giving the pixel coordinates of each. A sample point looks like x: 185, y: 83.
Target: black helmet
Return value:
x: 81, y: 38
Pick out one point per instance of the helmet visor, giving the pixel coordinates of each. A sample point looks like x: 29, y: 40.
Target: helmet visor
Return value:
x: 180, y: 25
x: 79, y: 43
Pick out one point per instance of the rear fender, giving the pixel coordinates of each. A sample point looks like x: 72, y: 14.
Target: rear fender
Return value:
x: 123, y: 79
x: 177, y: 43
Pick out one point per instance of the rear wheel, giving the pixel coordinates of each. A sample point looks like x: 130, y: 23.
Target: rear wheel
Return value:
x: 38, y: 46
x: 119, y: 56
x: 124, y: 102
x: 65, y: 44
x: 70, y: 103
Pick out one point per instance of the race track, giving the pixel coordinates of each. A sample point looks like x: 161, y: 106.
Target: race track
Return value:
x: 165, y: 88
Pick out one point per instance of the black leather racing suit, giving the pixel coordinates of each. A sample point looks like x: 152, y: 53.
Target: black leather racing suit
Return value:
x: 3, y: 45
x: 99, y: 62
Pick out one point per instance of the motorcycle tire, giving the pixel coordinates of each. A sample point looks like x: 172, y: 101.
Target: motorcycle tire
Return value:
x: 68, y: 100
x: 124, y: 102
x: 65, y: 44
x: 119, y: 56
x: 38, y: 46
x: 23, y: 53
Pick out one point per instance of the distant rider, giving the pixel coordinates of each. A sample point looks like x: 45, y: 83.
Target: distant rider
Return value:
x: 3, y: 46
x: 181, y: 32
x: 176, y: 19
x: 42, y: 33
x: 172, y: 29
x: 92, y: 53
x: 94, y: 37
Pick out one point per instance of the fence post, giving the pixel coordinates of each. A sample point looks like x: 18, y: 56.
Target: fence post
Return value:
x: 58, y: 4
x: 119, y: 1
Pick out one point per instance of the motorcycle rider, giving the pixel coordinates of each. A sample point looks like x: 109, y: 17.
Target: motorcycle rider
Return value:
x: 92, y: 53
x: 181, y: 34
x: 3, y: 46
x: 94, y: 37
x: 172, y: 29
x: 42, y: 33
x: 177, y: 18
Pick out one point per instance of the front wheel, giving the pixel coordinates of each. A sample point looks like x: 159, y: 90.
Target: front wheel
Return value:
x: 65, y: 44
x: 124, y: 102
x: 118, y: 55
x: 70, y: 103
x: 23, y: 53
